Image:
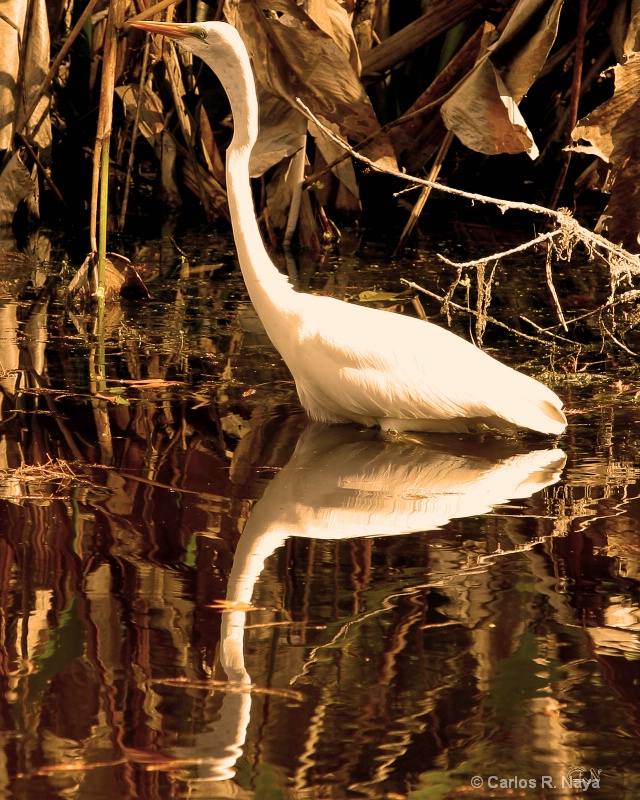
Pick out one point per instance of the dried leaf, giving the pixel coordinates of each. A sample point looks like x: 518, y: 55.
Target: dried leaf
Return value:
x: 152, y: 127
x: 336, y: 21
x: 611, y: 133
x: 27, y: 36
x: 624, y: 29
x: 210, y: 147
x: 215, y: 195
x: 168, y: 156
x: 485, y: 118
x: 363, y: 23
x: 293, y: 57
x: 283, y: 131
x: 631, y: 42
x: 418, y: 139
x: 347, y: 198
x: 151, y: 115
x: 279, y: 192
x: 612, y: 123
x: 16, y: 184
x: 484, y: 111
x: 120, y: 277
x: 373, y: 296
x: 525, y: 43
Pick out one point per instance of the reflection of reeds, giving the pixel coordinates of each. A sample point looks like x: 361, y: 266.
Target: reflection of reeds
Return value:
x: 57, y: 475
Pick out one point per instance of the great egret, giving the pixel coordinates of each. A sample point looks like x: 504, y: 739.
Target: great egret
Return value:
x: 351, y: 363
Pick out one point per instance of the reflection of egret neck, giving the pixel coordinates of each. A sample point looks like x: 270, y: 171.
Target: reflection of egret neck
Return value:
x: 235, y: 714
x: 248, y: 563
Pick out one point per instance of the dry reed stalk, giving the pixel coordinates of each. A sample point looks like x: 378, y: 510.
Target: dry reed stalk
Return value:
x: 576, y: 86
x: 99, y: 186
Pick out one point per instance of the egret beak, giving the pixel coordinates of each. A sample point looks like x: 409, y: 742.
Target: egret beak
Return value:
x: 170, y: 29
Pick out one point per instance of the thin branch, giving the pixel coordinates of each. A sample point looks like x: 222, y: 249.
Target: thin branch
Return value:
x: 150, y: 12
x: 134, y: 133
x: 45, y: 173
x: 617, y: 341
x: 503, y: 205
x: 544, y: 237
x: 445, y: 144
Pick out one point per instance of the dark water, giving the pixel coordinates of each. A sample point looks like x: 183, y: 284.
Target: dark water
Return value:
x: 204, y: 596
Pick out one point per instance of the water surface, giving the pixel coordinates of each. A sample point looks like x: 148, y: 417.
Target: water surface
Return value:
x: 204, y: 596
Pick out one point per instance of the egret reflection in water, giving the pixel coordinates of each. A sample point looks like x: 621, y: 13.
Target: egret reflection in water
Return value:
x: 343, y: 483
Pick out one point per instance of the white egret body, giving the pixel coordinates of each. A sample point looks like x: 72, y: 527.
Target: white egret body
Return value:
x: 351, y: 363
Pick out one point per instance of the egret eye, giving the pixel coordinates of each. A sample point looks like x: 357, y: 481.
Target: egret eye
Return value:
x: 200, y: 33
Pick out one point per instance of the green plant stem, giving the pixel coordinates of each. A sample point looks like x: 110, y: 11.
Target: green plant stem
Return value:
x: 101, y: 355
x: 103, y: 222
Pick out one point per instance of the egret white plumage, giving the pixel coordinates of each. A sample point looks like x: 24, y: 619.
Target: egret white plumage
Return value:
x: 351, y: 363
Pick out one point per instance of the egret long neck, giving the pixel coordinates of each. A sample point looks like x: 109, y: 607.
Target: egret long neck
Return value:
x: 267, y: 286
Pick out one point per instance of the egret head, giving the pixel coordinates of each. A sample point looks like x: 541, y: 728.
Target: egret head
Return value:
x: 213, y: 42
